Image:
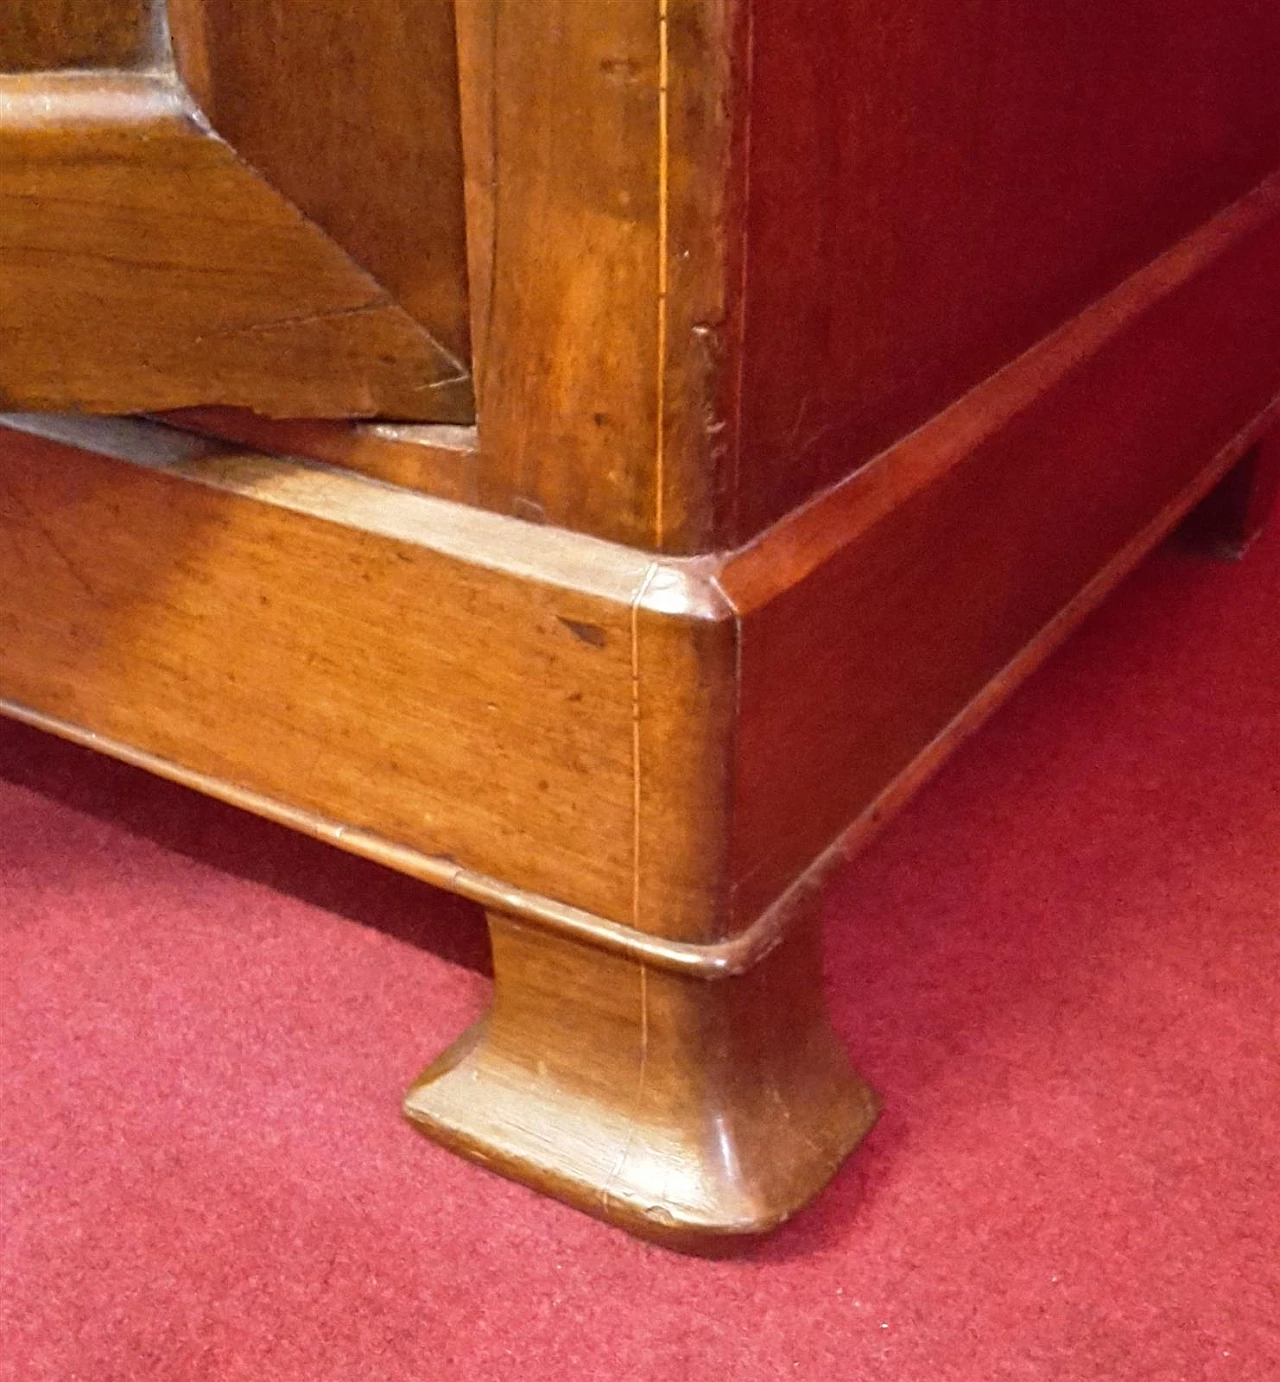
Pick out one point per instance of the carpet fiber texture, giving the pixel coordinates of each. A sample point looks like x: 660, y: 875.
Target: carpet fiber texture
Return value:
x: 1060, y: 966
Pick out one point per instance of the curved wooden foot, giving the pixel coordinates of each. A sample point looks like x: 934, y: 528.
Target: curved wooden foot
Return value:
x: 682, y: 1108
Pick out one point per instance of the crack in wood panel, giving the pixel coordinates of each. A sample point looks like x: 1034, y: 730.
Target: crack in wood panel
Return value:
x: 141, y: 257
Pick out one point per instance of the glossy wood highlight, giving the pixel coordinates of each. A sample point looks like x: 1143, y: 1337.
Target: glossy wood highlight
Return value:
x: 689, y: 1111
x: 436, y: 459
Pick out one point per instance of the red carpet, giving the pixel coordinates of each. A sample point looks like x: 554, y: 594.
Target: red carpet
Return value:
x: 1060, y: 967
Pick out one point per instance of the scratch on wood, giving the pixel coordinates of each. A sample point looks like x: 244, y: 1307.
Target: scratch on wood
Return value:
x: 641, y: 1075
x: 588, y: 633
x: 381, y: 303
x: 709, y: 341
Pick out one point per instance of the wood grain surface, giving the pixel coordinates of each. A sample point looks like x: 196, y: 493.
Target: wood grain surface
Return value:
x: 433, y: 458
x: 143, y: 266
x: 293, y: 244
x: 745, y: 710
x: 837, y: 268
x: 688, y: 1111
x: 597, y: 149
x: 43, y: 35
x: 936, y: 186
x: 907, y: 328
x: 350, y: 112
x: 876, y: 617
x: 482, y: 690
x: 736, y: 714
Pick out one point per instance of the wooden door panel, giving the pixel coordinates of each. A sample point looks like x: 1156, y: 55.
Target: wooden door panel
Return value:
x: 350, y: 110
x: 147, y: 262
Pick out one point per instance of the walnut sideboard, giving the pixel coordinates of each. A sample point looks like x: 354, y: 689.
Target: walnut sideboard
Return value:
x: 598, y: 456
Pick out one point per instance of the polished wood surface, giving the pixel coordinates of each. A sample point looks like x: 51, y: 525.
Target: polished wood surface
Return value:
x: 904, y: 592
x: 829, y: 283
x: 596, y: 136
x: 350, y: 112
x: 538, y: 707
x: 147, y: 263
x: 37, y: 35
x: 208, y: 647
x: 682, y: 349
x: 434, y: 458
x: 689, y: 1111
x: 651, y: 763
x: 934, y: 187
x: 831, y: 361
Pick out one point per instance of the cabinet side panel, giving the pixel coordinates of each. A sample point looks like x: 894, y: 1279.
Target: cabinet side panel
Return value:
x: 935, y: 186
x: 880, y: 621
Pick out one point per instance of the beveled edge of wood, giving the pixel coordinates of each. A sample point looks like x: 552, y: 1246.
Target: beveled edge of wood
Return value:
x: 864, y: 827
x: 816, y: 532
x: 33, y: 101
x: 723, y: 959
x: 682, y: 587
x: 147, y: 114
x: 439, y: 458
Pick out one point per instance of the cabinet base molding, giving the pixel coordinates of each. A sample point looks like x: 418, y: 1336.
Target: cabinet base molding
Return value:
x: 642, y: 766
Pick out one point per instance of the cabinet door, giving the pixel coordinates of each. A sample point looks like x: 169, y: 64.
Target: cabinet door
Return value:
x: 256, y: 203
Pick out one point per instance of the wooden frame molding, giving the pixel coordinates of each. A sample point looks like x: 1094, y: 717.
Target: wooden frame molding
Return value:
x: 723, y: 959
x: 436, y: 459
x: 390, y: 597
x: 179, y: 227
x: 603, y: 169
